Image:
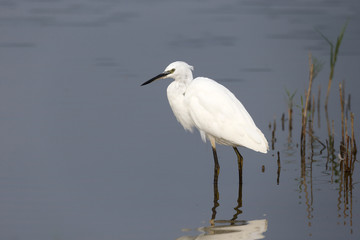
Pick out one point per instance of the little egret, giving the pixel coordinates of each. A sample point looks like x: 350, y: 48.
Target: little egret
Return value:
x: 212, y: 109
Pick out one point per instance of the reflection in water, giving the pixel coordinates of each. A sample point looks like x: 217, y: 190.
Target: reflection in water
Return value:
x: 237, y: 209
x: 279, y: 168
x: 340, y: 171
x: 243, y: 230
x: 340, y: 159
x: 312, y: 147
x: 233, y: 228
x: 273, y: 138
x: 240, y: 161
x: 216, y: 202
x: 308, y: 190
x: 345, y: 203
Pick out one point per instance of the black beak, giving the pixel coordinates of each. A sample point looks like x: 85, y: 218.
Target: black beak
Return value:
x: 161, y: 75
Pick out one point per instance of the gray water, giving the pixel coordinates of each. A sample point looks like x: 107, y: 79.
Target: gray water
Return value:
x: 86, y: 153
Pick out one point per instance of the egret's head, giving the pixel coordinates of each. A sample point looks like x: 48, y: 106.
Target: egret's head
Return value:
x: 180, y: 71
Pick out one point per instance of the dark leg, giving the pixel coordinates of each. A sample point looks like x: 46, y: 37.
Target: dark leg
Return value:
x: 240, y: 164
x: 239, y: 200
x: 238, y: 207
x: 216, y: 167
x: 216, y: 191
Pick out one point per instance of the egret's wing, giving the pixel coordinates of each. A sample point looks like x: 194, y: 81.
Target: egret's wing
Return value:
x: 217, y: 112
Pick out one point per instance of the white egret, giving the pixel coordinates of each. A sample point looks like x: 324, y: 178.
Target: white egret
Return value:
x: 212, y: 109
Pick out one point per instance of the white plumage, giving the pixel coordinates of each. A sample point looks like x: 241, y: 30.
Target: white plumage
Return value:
x: 211, y: 108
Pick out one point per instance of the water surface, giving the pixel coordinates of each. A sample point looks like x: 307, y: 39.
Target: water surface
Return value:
x: 86, y: 153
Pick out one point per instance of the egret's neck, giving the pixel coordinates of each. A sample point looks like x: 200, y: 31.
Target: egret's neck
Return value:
x: 185, y: 78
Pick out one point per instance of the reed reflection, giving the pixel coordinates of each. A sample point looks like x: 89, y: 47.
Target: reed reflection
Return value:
x: 341, y: 158
x: 340, y: 151
x: 341, y: 165
x: 278, y: 169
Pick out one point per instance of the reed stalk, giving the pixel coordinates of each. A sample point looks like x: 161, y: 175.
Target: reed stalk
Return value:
x: 342, y: 112
x: 279, y: 168
x: 318, y: 105
x: 290, y: 108
x: 334, y: 50
x: 353, y: 143
x: 273, y: 139
x: 305, y: 107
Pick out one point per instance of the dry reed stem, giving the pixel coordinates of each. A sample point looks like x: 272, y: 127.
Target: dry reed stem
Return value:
x: 328, y: 92
x: 331, y: 138
x: 342, y: 112
x: 346, y: 147
x: 346, y: 127
x: 348, y: 156
x: 317, y: 139
x: 343, y: 97
x: 318, y: 105
x: 313, y: 111
x: 273, y: 139
x: 353, y: 143
x: 279, y: 168
x: 290, y: 111
x: 305, y: 107
x: 309, y: 90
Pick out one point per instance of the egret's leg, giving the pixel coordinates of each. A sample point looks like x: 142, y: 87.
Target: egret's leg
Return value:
x: 216, y: 201
x: 217, y: 166
x: 216, y: 175
x: 239, y: 205
x: 240, y: 158
x: 240, y: 163
x: 239, y: 200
